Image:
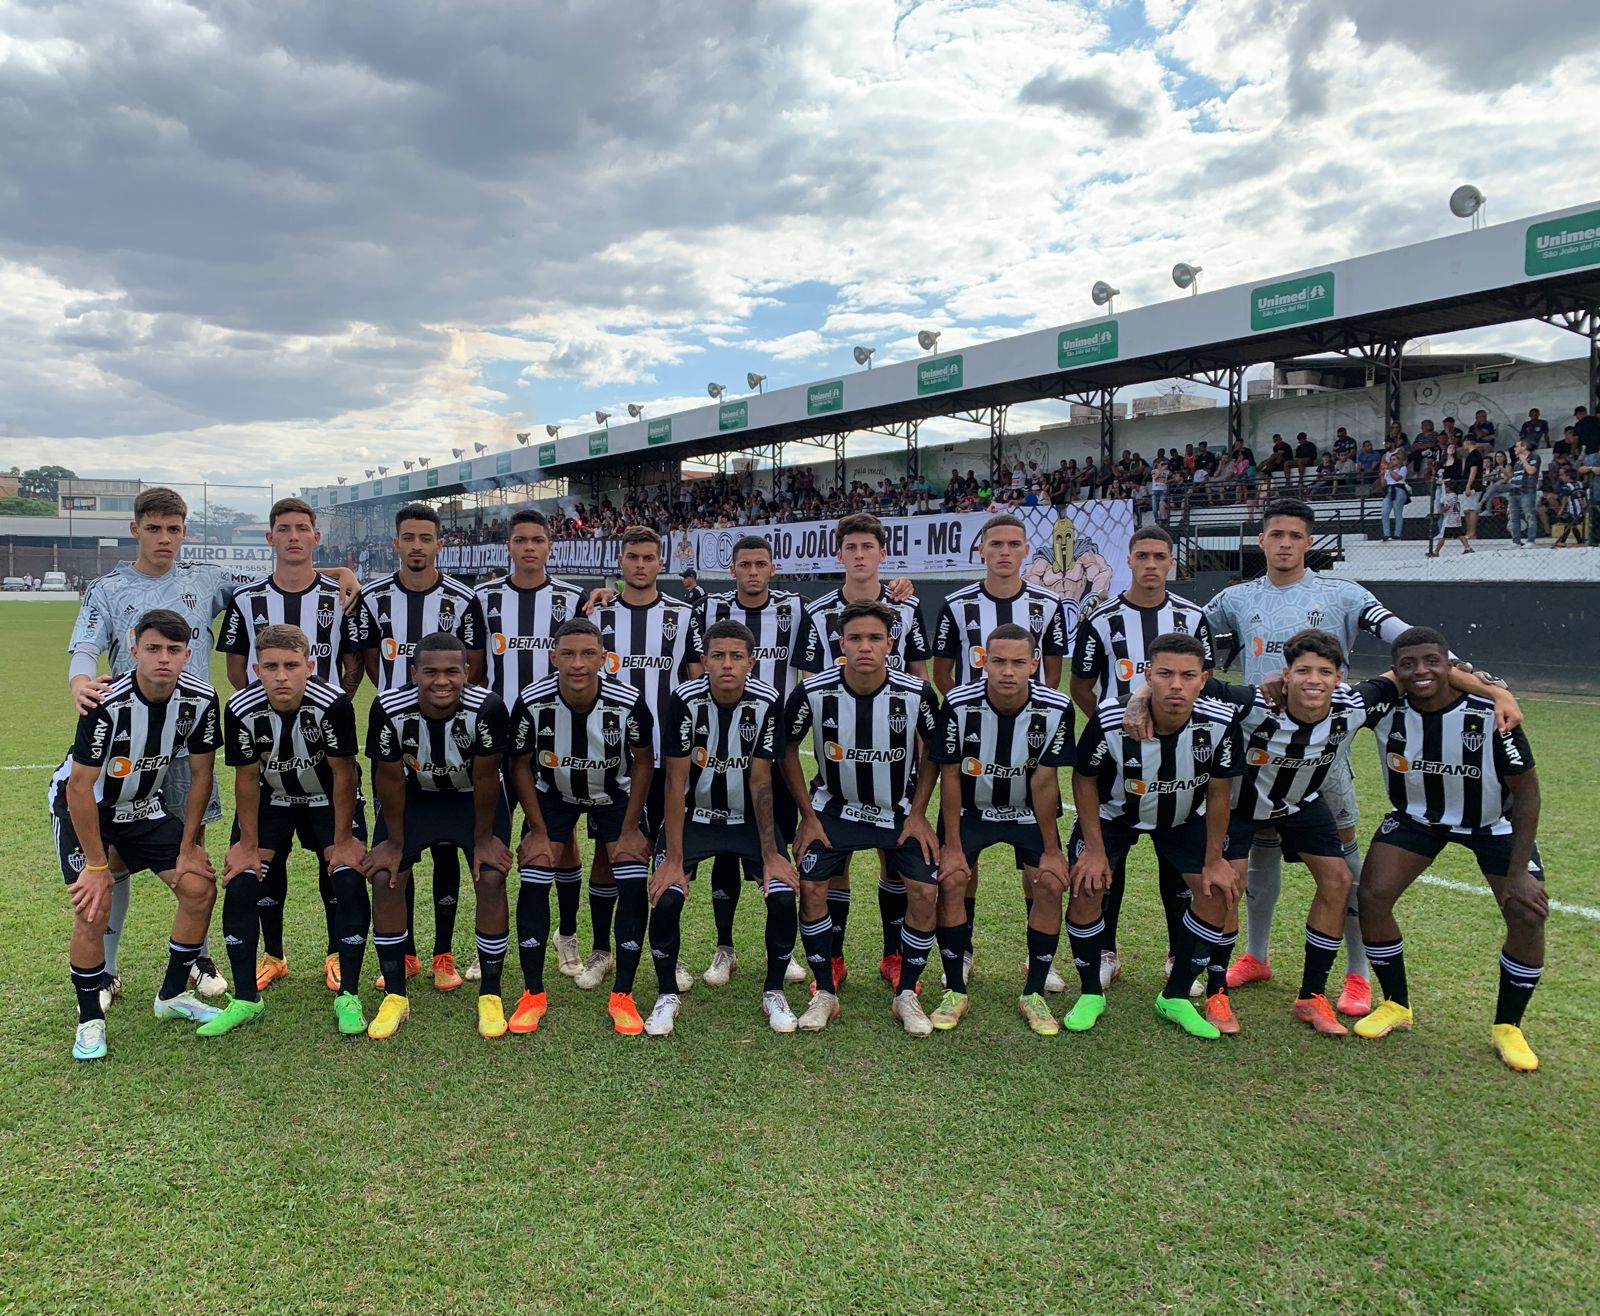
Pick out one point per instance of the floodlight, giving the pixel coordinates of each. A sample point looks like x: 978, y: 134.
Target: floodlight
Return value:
x: 1466, y: 202
x: 863, y: 356
x: 1186, y: 276
x: 383, y: 470
x: 552, y: 430
x: 408, y: 464
x: 716, y: 390
x: 523, y: 436
x: 928, y: 341
x: 754, y: 380
x: 1103, y: 294
x: 480, y: 447
x: 344, y: 479
x: 423, y: 461
x: 602, y: 417
x: 635, y: 410
x: 370, y: 473
x: 458, y: 453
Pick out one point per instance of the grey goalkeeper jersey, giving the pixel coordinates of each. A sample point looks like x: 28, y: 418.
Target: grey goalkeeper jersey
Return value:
x: 1262, y: 616
x: 112, y: 604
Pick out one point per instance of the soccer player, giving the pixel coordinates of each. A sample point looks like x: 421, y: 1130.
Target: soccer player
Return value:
x: 435, y: 747
x: 1175, y: 790
x: 775, y: 618
x: 522, y: 612
x: 719, y: 744
x: 291, y: 739
x: 295, y: 594
x: 872, y: 730
x: 581, y: 744
x: 1108, y: 662
x: 1260, y: 615
x: 651, y: 643
x: 1001, y: 739
x: 863, y: 544
x: 1454, y: 775
x: 110, y: 818
x: 395, y: 613
x: 197, y: 592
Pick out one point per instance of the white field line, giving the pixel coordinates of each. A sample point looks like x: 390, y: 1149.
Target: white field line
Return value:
x: 27, y: 767
x: 1482, y: 889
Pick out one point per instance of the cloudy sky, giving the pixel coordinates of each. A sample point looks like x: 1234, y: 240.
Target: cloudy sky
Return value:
x: 249, y: 242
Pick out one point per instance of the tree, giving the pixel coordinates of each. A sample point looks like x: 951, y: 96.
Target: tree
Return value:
x: 15, y: 506
x: 40, y: 482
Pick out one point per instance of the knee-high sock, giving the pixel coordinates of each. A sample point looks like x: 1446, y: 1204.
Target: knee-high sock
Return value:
x: 665, y: 920
x: 86, y: 983
x: 1355, y: 950
x: 1086, y: 940
x: 533, y: 925
x: 446, y: 896
x: 602, y: 909
x: 274, y: 891
x: 330, y: 903
x: 1262, y: 881
x: 391, y: 960
x: 354, y: 908
x: 569, y: 893
x: 782, y: 922
x: 1388, y: 960
x: 1194, y: 954
x: 915, y: 943
x: 1217, y: 969
x: 1111, y: 905
x: 1175, y: 898
x: 1517, y: 981
x: 817, y: 938
x: 240, y: 923
x: 181, y: 956
x: 491, y: 961
x: 121, y: 894
x: 633, y: 908
x: 727, y: 876
x: 892, y: 912
x: 1042, y: 947
x: 1320, y: 950
x: 839, y: 912
x: 954, y: 940
x: 410, y: 942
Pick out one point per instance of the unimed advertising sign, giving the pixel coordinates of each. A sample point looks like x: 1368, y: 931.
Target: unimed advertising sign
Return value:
x: 1083, y: 347
x: 598, y: 443
x: 547, y: 454
x: 1294, y: 301
x: 940, y: 375
x: 659, y: 431
x: 823, y: 398
x: 733, y: 416
x: 1563, y: 244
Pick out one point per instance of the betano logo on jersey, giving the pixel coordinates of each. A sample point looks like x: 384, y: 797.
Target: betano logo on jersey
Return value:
x: 616, y: 662
x: 555, y: 762
x: 1259, y: 758
x: 1138, y: 787
x: 1432, y: 767
x: 977, y: 655
x: 123, y: 767
x: 503, y: 644
x: 834, y: 752
x: 294, y: 764
x: 703, y: 759
x: 1127, y: 669
x: 1259, y: 647
x: 393, y: 648
x: 999, y: 771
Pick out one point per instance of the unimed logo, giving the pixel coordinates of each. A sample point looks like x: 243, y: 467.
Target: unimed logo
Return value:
x: 733, y: 416
x: 939, y: 375
x: 1293, y: 301
x: 1563, y: 244
x: 502, y: 463
x: 598, y: 443
x: 659, y: 431
x: 547, y: 454
x: 821, y: 398
x: 1082, y: 347
x: 433, y: 479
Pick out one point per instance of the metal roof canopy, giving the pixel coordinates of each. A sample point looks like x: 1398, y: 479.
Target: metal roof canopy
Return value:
x: 1544, y: 267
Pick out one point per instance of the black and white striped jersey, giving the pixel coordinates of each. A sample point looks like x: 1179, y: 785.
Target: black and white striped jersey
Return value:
x: 720, y: 743
x: 1159, y: 783
x: 392, y: 619
x: 971, y: 613
x: 521, y: 628
x: 865, y: 745
x: 293, y: 748
x: 908, y: 642
x: 1286, y: 760
x: 1451, y: 769
x: 998, y: 752
x: 779, y: 628
x: 133, y: 740
x: 650, y: 646
x: 437, y: 752
x: 583, y: 756
x: 1114, y: 638
x: 318, y: 611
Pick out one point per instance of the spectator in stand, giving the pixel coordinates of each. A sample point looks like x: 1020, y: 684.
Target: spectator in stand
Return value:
x: 1474, y: 475
x: 1346, y: 472
x: 1158, y: 488
x: 1369, y: 460
x: 1425, y: 452
x: 1325, y: 478
x: 1188, y: 459
x: 1497, y: 475
x: 1535, y: 431
x: 1567, y: 444
x: 1522, y: 495
x: 1343, y: 444
x: 1449, y: 519
x: 1570, y: 514
x: 1395, y: 495
x: 1277, y: 462
x: 1483, y: 427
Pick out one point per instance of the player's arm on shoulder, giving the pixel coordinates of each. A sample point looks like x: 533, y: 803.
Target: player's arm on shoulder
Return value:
x: 1507, y: 711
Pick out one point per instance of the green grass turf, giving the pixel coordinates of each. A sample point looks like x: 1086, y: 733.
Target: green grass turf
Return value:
x: 987, y: 1170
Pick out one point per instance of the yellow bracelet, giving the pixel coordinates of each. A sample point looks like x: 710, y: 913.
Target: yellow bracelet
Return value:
x: 97, y: 868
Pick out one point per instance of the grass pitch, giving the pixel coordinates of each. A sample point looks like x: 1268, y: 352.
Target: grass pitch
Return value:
x: 285, y: 1168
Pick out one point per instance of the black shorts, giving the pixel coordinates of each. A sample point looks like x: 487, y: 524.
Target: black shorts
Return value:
x: 1184, y: 846
x: 978, y: 834
x: 279, y: 825
x: 442, y: 818
x: 820, y: 863
x: 1310, y: 829
x: 1493, y: 853
x: 708, y: 840
x: 561, y: 819
x: 146, y: 845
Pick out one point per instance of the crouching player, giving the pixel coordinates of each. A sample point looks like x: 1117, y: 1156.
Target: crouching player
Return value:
x: 105, y: 805
x: 1001, y: 740
x: 719, y: 744
x: 291, y: 740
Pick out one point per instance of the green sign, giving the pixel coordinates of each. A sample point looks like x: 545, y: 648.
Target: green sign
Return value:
x: 939, y: 375
x: 314, y: 500
x: 659, y: 431
x: 1083, y: 347
x: 502, y: 463
x: 377, y: 488
x: 464, y: 471
x: 405, y: 484
x: 433, y: 478
x: 1294, y: 301
x: 733, y: 416
x: 823, y: 398
x: 547, y: 454
x: 1563, y: 244
x: 598, y: 443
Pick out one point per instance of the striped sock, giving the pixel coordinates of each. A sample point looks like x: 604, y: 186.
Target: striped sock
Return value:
x: 87, y: 983
x: 1217, y: 969
x: 391, y: 948
x: 1321, y: 950
x: 914, y: 948
x: 1388, y: 962
x: 491, y: 961
x: 1194, y: 953
x: 1086, y: 939
x: 1517, y: 981
x: 533, y: 924
x: 954, y: 939
x: 602, y: 909
x: 817, y: 938
x: 180, y: 955
x: 892, y: 911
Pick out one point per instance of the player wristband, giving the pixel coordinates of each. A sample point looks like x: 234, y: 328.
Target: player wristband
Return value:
x: 97, y: 868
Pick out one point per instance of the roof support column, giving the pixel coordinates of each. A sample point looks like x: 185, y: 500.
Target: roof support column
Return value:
x: 913, y: 454
x: 1235, y: 406
x: 997, y: 440
x: 1108, y: 424
x: 1392, y: 354
x: 838, y: 461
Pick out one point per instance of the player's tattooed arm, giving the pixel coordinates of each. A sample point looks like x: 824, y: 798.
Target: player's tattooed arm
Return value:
x: 351, y: 670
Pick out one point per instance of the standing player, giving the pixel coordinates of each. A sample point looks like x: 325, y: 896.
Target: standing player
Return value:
x: 719, y: 744
x: 1454, y: 775
x: 581, y: 744
x: 1001, y: 740
x: 872, y: 729
x: 863, y: 544
x: 652, y: 643
x: 197, y: 592
x: 775, y: 618
x: 1173, y: 789
x: 295, y: 594
x: 109, y: 817
x: 395, y: 613
x: 1260, y: 615
x: 435, y: 747
x: 291, y: 740
x: 522, y: 612
x: 1108, y: 662
x: 693, y: 595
